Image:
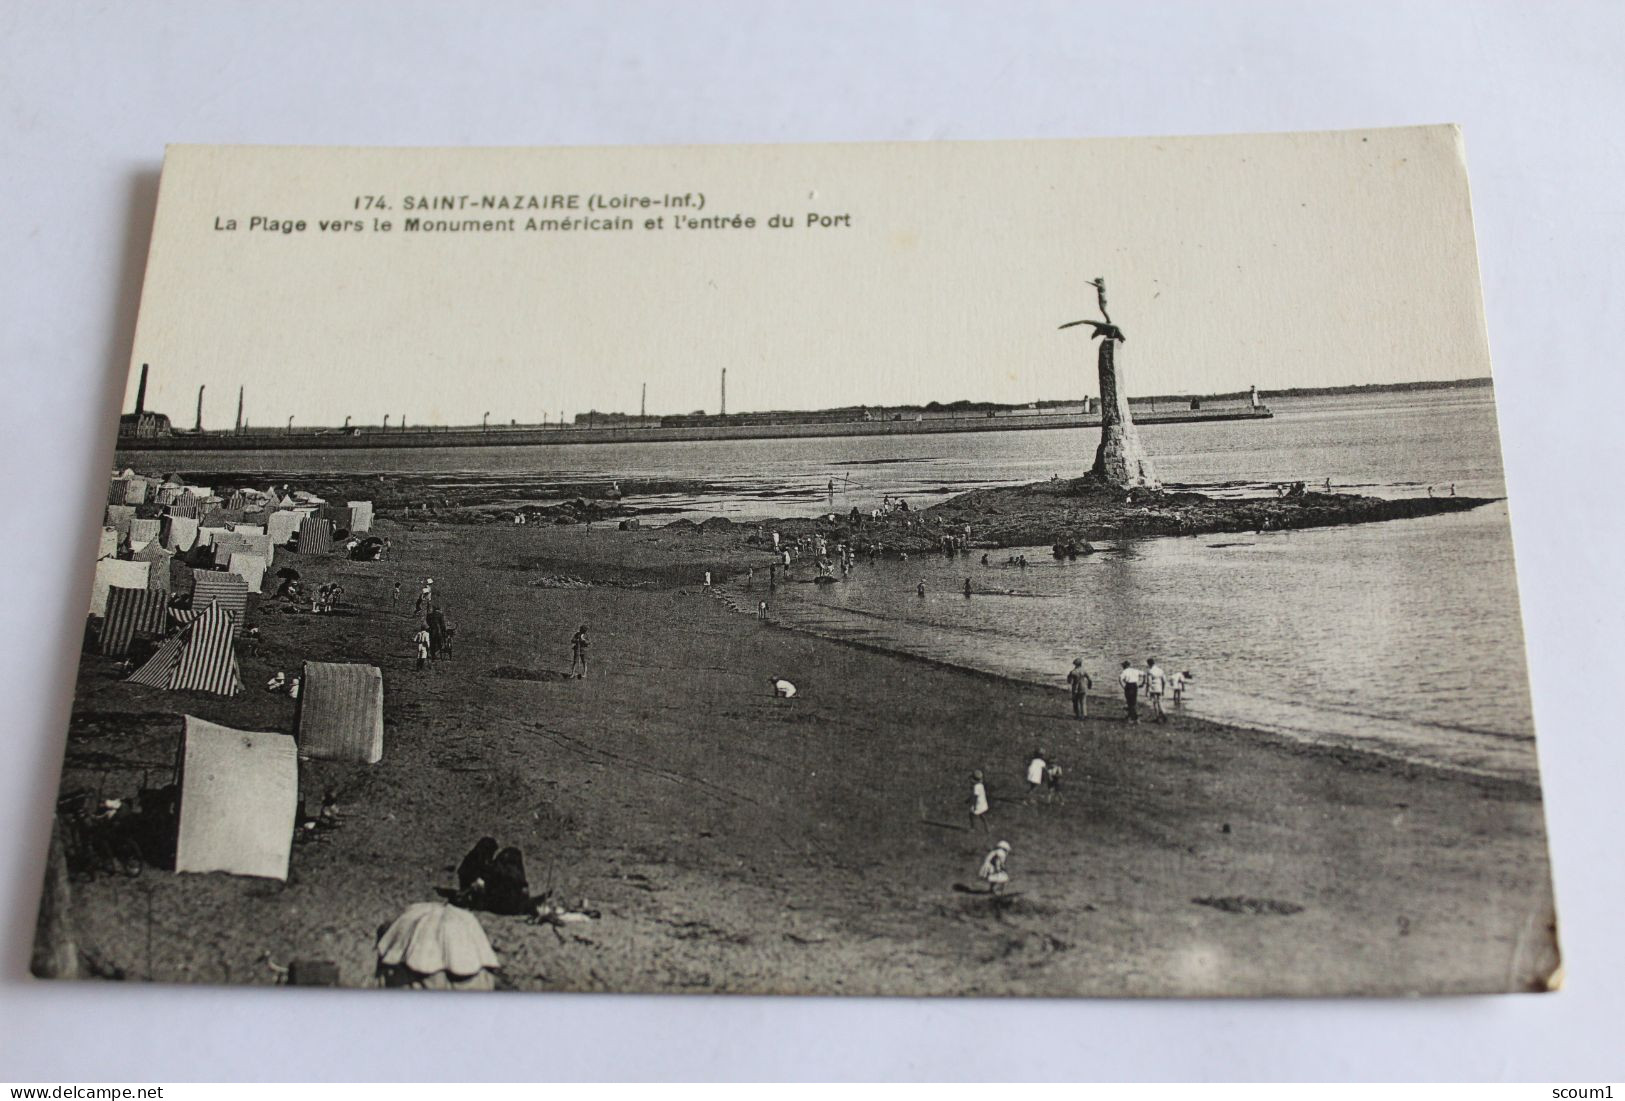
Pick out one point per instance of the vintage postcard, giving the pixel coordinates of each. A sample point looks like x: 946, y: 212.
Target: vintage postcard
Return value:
x: 1036, y: 568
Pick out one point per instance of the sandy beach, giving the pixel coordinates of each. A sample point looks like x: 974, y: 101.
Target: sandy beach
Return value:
x: 738, y: 842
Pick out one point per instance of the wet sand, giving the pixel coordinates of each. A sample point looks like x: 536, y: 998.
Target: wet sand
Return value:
x: 738, y: 842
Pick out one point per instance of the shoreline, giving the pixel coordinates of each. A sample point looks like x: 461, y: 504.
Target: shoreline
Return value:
x: 1343, y: 753
x: 740, y: 843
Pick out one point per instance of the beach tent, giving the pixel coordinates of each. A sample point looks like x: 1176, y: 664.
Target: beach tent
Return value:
x: 258, y: 543
x: 117, y: 489
x: 314, y: 536
x: 249, y: 567
x: 166, y: 495
x: 182, y: 533
x: 184, y: 506
x: 119, y: 517
x: 280, y: 526
x: 135, y: 491
x: 107, y: 546
x: 142, y: 532
x: 129, y: 612
x: 206, y: 535
x: 158, y: 560
x: 360, y: 517
x: 239, y: 799
x: 208, y: 661
x: 224, y: 546
x: 236, y: 501
x: 341, y: 712
x: 229, y: 590
x: 114, y: 571
x: 199, y: 659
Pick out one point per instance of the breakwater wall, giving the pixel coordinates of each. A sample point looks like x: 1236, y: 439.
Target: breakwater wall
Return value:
x: 525, y: 437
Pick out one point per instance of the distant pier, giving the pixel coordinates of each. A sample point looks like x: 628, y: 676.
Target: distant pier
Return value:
x: 315, y: 439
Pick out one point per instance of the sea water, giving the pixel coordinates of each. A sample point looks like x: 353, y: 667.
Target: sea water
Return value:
x: 1403, y: 637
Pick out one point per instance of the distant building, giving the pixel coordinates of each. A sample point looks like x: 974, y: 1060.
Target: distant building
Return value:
x: 144, y: 425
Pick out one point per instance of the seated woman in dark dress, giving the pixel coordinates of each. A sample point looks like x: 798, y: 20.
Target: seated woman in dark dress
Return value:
x: 472, y: 872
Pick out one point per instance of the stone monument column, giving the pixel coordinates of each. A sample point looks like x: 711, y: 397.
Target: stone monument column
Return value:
x: 1120, y: 460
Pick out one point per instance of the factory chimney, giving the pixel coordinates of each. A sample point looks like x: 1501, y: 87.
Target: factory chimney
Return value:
x: 725, y: 391
x: 199, y: 426
x: 141, y: 393
x: 239, y: 409
x: 643, y: 402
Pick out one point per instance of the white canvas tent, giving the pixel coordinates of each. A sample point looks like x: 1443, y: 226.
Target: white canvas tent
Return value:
x: 239, y: 800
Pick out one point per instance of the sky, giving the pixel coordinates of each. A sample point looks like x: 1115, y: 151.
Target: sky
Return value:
x: 1276, y: 261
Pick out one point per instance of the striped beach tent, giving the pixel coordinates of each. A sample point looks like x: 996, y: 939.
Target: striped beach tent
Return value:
x: 236, y: 501
x: 142, y: 532
x: 114, y: 571
x: 119, y: 517
x: 341, y: 712
x: 167, y: 494
x: 360, y: 517
x: 208, y: 661
x: 182, y: 533
x: 131, y: 612
x: 184, y: 505
x: 161, y: 666
x: 315, y: 537
x: 249, y: 567
x: 157, y: 559
x: 116, y: 491
x: 226, y: 589
x: 239, y: 800
x: 107, y: 544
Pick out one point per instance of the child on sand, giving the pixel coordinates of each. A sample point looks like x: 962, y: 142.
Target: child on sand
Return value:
x: 421, y: 639
x: 578, y: 653
x: 1037, y: 769
x: 1179, y: 680
x: 978, y: 801
x: 993, y: 871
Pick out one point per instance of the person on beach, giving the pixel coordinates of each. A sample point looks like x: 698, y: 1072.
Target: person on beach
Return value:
x: 920, y: 588
x: 395, y: 595
x: 761, y: 610
x: 1179, y: 680
x: 1156, y: 683
x: 578, y: 653
x: 993, y: 871
x: 1130, y: 679
x: 1037, y: 769
x: 1079, y: 683
x: 1052, y: 776
x: 421, y: 640
x: 978, y: 801
x: 782, y: 689
x: 967, y: 586
x: 707, y: 579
